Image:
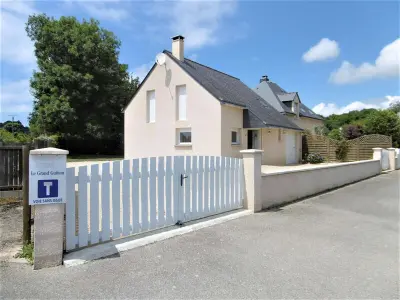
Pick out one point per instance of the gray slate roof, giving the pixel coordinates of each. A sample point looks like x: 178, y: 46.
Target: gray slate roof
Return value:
x: 275, y: 95
x: 228, y: 89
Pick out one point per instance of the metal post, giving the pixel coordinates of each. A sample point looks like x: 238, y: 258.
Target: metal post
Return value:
x: 26, y: 213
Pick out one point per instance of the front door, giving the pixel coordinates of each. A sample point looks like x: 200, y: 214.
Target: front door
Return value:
x: 253, y: 139
x: 290, y: 148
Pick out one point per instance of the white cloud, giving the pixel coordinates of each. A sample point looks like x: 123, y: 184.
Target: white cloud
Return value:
x: 324, y: 50
x: 386, y: 65
x: 15, y: 97
x: 16, y: 47
x: 327, y: 109
x: 199, y: 21
x: 104, y: 10
x: 142, y: 70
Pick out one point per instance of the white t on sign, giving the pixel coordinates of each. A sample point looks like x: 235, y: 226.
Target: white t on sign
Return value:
x: 47, y: 175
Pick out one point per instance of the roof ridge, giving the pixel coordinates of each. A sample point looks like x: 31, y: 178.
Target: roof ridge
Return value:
x: 169, y: 52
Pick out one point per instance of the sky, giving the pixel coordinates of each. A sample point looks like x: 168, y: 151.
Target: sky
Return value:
x: 338, y: 55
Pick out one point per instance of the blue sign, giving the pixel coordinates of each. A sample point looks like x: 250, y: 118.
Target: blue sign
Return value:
x: 48, y: 188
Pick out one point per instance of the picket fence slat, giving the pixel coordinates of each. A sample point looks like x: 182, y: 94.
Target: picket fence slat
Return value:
x: 206, y: 189
x: 194, y: 187
x: 217, y: 183
x: 126, y: 174
x: 135, y: 196
x: 116, y: 194
x: 168, y: 190
x: 232, y: 182
x: 70, y: 217
x: 105, y: 202
x: 188, y: 173
x: 200, y: 206
x: 94, y: 204
x: 144, y: 176
x: 160, y: 189
x: 82, y: 207
x: 152, y: 190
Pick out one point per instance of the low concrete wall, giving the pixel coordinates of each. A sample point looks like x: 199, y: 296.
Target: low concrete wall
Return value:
x: 286, y: 186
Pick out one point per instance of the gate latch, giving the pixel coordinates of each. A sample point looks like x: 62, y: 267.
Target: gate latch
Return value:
x: 182, y: 177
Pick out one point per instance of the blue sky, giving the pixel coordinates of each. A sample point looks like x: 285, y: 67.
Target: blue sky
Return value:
x: 338, y: 55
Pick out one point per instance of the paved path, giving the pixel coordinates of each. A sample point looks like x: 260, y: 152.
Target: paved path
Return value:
x: 344, y: 244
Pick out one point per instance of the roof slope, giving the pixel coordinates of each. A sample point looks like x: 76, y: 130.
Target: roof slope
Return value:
x: 230, y: 90
x: 275, y: 95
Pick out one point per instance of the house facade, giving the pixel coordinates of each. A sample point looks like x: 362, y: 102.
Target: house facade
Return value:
x: 185, y: 108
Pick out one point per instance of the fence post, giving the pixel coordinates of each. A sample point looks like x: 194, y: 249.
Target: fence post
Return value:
x: 252, y: 179
x: 26, y: 209
x: 392, y: 158
x: 47, y: 181
x: 377, y: 155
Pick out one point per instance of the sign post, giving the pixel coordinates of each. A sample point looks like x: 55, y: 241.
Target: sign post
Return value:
x: 47, y: 182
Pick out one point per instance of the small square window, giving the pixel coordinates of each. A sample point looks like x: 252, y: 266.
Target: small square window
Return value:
x: 235, y: 137
x: 184, y: 136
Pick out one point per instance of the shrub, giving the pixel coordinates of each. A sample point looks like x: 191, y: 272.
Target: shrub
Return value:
x: 336, y: 134
x: 342, y: 148
x: 315, y: 158
x: 43, y: 141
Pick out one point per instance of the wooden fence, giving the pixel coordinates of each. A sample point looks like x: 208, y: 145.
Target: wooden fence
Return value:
x: 359, y: 148
x: 11, y: 170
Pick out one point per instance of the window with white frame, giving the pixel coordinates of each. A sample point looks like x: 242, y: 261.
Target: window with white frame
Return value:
x: 151, y: 106
x: 184, y: 136
x: 181, y: 102
x: 235, y: 137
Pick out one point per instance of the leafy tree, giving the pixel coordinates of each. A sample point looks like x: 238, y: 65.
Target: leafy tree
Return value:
x: 80, y: 88
x: 353, y: 117
x: 384, y: 122
x: 395, y: 107
x: 15, y: 126
x: 352, y: 131
x: 336, y: 134
x: 7, y: 137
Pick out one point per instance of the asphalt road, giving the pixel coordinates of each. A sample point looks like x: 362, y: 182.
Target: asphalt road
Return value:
x: 344, y: 244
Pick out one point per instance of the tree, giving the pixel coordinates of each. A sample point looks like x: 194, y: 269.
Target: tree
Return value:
x: 15, y: 126
x: 384, y: 122
x: 352, y: 131
x: 336, y: 134
x: 353, y: 117
x: 80, y: 88
x: 395, y: 106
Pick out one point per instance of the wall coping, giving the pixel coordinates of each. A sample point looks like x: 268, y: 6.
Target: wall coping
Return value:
x: 249, y: 151
x: 49, y: 151
x: 321, y: 167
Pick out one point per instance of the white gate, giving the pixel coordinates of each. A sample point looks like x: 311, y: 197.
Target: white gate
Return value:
x: 106, y: 203
x: 385, y: 159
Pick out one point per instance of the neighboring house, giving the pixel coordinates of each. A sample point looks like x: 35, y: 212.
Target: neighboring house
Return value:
x: 185, y: 108
x: 289, y: 104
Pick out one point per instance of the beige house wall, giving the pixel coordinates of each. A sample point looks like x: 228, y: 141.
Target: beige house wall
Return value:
x: 144, y: 139
x: 232, y: 119
x: 274, y: 146
x: 306, y: 123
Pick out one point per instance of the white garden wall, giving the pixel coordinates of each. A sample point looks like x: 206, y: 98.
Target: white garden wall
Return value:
x: 286, y: 186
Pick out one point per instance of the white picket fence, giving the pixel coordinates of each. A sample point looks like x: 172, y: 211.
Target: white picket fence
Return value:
x: 149, y: 193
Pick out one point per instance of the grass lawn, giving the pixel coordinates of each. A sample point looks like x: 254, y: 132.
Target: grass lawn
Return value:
x: 73, y: 158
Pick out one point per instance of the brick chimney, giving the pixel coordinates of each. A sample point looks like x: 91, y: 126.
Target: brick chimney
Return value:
x: 177, y: 47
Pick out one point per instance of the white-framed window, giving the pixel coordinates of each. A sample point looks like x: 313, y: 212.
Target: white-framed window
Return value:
x: 184, y: 136
x: 151, y: 106
x: 181, y: 106
x: 235, y: 137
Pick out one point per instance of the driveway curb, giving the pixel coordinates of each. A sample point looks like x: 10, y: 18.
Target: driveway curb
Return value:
x: 103, y: 250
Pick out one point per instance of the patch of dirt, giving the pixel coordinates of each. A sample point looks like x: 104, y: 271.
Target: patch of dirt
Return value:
x: 10, y: 229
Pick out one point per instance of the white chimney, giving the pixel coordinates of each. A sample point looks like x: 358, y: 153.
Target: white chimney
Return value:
x: 177, y: 47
